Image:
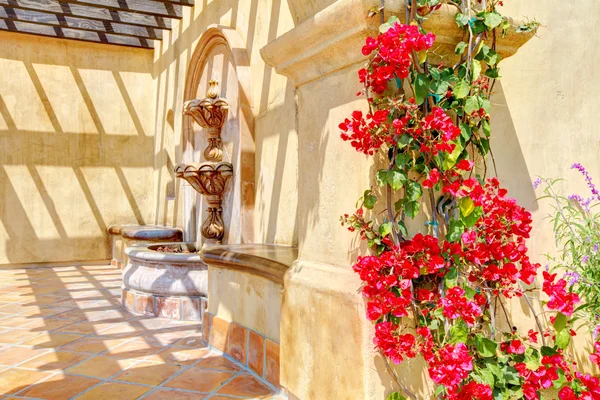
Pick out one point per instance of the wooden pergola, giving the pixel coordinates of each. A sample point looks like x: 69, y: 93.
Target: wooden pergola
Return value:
x: 135, y: 23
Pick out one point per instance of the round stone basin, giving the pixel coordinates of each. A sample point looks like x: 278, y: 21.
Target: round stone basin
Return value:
x: 165, y: 284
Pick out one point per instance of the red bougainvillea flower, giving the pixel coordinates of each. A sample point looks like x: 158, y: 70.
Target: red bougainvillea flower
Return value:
x: 595, y: 356
x: 532, y: 336
x: 456, y: 305
x: 567, y: 393
x: 451, y: 365
x: 513, y: 347
x: 393, y: 54
x: 393, y: 345
x: 473, y: 390
x: 560, y: 299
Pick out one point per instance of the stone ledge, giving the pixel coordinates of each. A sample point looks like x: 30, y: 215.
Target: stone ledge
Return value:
x: 333, y: 37
x: 147, y: 233
x: 268, y: 261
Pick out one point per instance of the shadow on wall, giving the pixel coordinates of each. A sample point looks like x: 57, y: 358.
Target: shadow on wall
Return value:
x: 76, y: 150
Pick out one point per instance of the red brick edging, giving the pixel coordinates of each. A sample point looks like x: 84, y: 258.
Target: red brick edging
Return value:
x: 177, y: 308
x: 247, y: 346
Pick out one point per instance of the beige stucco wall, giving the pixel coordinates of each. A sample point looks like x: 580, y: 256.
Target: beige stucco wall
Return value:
x: 76, y: 138
x: 271, y: 100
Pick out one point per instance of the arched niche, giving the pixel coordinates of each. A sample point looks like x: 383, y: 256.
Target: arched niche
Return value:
x: 221, y: 54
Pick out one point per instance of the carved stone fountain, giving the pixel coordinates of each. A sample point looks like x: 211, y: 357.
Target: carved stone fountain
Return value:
x: 209, y: 178
x: 170, y: 279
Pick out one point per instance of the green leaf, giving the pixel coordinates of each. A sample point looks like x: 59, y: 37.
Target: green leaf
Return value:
x: 414, y: 191
x: 458, y: 334
x: 486, y: 105
x: 451, y: 278
x: 563, y: 339
x: 402, y: 159
x: 421, y: 88
x: 395, y: 396
x: 491, y: 58
x: 533, y: 361
x: 548, y: 351
x: 475, y: 70
x: 395, y: 178
x: 512, y: 376
x: 369, y: 200
x: 381, y: 177
x: 461, y: 89
x: 385, y: 27
x: 439, y: 87
x: 465, y: 131
x: 441, y: 389
x: 402, y: 228
x: 472, y: 104
x: 488, y: 376
x: 411, y: 208
x: 473, y: 217
x: 560, y: 322
x: 485, y: 347
x: 461, y: 19
x: 493, y: 73
x: 492, y: 20
x: 466, y: 206
x: 486, y: 128
x: 449, y: 160
x: 385, y: 229
x: 460, y: 48
x: 455, y: 230
x: 404, y: 140
x: 435, y: 73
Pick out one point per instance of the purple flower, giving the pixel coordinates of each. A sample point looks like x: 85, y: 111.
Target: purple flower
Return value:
x: 585, y: 204
x: 595, y: 249
x: 537, y: 183
x: 585, y: 259
x: 573, y: 277
x: 596, y: 332
x: 588, y: 179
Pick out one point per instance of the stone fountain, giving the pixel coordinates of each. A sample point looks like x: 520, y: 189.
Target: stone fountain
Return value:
x: 170, y: 279
x: 209, y: 178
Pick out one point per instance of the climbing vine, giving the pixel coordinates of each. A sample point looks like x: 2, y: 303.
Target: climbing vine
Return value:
x: 441, y: 295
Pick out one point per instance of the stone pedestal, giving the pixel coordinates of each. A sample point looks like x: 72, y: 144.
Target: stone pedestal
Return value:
x: 326, y: 341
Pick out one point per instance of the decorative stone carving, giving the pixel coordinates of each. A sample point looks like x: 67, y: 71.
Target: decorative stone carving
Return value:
x: 210, y: 180
x: 210, y: 113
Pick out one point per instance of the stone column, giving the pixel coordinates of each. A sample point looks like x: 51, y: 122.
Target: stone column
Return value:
x: 326, y: 341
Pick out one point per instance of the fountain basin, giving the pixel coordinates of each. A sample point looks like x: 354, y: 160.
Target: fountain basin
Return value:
x: 165, y: 284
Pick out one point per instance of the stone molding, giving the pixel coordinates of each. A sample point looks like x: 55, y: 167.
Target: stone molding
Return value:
x: 179, y: 308
x: 332, y: 39
x: 267, y: 261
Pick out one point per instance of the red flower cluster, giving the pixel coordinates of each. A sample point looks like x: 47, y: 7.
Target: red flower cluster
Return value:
x: 496, y: 244
x: 394, y: 56
x: 456, y: 305
x: 366, y: 134
x: 394, y: 345
x: 473, y: 390
x: 450, y: 366
x: 560, y: 299
x: 595, y: 356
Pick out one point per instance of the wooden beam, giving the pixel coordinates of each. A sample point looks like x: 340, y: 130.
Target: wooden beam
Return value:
x: 74, y: 34
x: 100, y: 14
x: 188, y: 3
x: 149, y: 7
x: 7, y: 13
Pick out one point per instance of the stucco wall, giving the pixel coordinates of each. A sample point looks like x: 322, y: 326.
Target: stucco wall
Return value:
x: 270, y: 97
x: 76, y: 146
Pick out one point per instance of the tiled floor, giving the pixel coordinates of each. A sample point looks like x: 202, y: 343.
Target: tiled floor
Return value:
x: 63, y: 335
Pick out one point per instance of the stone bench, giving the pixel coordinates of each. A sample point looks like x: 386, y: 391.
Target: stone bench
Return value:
x: 245, y: 285
x: 123, y: 236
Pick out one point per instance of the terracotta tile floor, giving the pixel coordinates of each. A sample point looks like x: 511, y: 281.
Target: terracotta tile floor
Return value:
x: 63, y: 335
